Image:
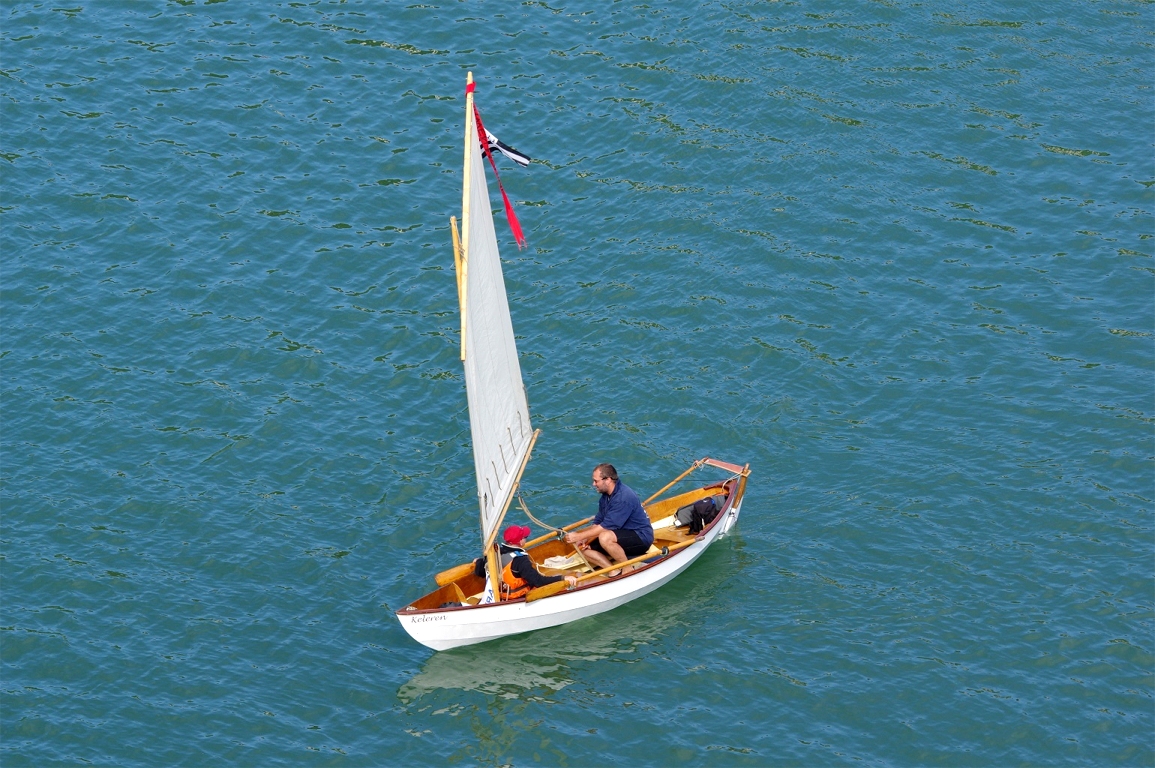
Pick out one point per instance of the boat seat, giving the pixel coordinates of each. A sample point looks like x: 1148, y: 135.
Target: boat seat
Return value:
x: 673, y: 535
x: 665, y: 530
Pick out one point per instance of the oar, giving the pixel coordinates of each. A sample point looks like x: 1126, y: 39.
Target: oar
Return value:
x: 670, y: 484
x: 451, y: 575
x: 549, y: 590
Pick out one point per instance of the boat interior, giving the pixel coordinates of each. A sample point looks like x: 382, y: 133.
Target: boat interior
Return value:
x: 554, y: 556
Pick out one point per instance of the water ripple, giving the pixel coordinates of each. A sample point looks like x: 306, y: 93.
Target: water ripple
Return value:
x: 897, y: 257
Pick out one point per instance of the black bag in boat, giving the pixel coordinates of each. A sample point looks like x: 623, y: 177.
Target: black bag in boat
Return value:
x: 699, y: 514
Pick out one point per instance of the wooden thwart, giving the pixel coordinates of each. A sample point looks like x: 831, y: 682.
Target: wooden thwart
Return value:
x: 549, y: 590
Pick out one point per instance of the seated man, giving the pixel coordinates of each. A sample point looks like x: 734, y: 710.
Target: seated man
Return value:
x: 621, y: 530
x: 518, y: 573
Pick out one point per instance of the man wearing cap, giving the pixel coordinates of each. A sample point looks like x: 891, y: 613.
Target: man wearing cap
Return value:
x: 518, y: 573
x: 621, y: 530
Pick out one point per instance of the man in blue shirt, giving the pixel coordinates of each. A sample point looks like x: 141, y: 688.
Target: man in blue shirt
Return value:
x: 621, y: 530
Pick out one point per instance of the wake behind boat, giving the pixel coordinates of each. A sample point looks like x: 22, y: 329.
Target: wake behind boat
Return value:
x: 466, y: 608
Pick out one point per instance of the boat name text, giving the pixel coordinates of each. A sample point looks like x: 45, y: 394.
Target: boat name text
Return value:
x: 433, y: 617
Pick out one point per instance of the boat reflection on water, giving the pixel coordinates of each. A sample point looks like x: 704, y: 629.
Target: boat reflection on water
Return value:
x: 542, y: 661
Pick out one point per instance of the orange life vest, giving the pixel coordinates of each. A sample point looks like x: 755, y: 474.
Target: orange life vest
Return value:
x: 513, y: 587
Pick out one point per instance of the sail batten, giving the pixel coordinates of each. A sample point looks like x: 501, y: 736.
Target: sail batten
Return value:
x: 493, y: 382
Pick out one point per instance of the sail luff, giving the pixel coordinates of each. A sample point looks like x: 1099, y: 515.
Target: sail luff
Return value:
x: 463, y: 249
x: 498, y: 410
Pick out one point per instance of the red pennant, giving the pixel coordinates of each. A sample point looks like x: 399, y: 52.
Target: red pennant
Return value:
x: 514, y: 225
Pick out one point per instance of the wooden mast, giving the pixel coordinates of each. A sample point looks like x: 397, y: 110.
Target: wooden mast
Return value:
x: 461, y: 243
x: 459, y: 270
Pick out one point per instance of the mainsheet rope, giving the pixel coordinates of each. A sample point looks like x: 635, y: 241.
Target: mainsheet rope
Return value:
x: 529, y: 514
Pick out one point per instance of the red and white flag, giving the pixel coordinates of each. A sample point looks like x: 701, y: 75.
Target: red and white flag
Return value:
x: 488, y: 144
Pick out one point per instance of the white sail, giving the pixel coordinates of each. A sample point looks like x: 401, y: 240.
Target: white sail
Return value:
x: 498, y: 410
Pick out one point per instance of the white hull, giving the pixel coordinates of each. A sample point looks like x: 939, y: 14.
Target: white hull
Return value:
x: 446, y: 628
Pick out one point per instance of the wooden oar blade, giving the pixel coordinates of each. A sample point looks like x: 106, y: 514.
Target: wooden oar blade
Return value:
x: 549, y: 590
x: 453, y: 574
x: 724, y: 465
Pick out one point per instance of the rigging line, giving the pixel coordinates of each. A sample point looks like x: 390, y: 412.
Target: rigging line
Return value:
x: 729, y: 480
x: 525, y: 509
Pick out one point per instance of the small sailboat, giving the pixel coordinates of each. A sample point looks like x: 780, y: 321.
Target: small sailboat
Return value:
x: 466, y: 608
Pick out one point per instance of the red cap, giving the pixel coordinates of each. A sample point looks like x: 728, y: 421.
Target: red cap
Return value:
x: 515, y: 534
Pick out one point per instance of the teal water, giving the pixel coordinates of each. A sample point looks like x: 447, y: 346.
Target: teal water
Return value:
x: 896, y: 256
